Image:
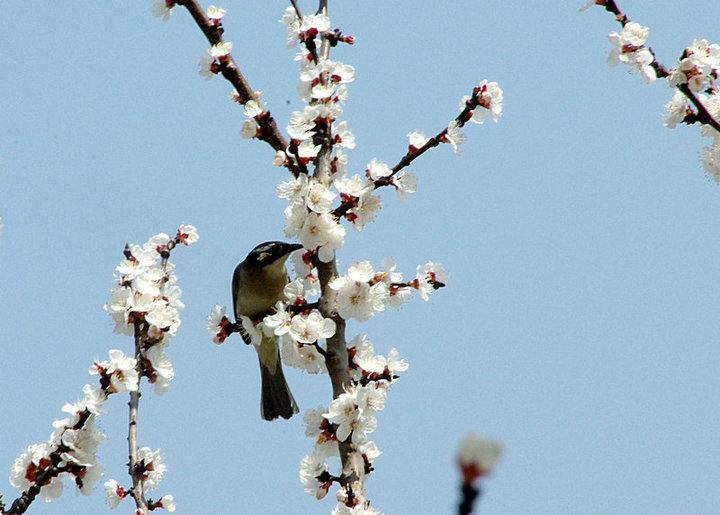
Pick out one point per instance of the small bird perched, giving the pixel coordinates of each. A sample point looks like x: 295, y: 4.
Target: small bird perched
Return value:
x: 258, y: 284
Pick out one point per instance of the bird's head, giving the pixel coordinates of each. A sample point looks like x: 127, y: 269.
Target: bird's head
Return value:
x: 271, y: 254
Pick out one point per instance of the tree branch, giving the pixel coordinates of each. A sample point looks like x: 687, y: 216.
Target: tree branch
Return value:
x: 230, y: 70
x: 135, y: 469
x: 703, y: 115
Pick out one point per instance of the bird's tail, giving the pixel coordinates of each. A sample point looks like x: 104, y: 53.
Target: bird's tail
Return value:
x: 277, y: 399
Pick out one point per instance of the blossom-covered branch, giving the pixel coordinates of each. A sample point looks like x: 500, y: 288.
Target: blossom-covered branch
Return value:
x: 219, y: 60
x: 145, y: 303
x: 694, y: 79
x: 359, y: 377
x: 70, y: 451
x: 487, y: 97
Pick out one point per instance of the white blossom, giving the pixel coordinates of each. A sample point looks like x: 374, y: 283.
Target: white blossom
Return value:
x: 428, y: 276
x: 490, y: 98
x: 120, y: 369
x: 153, y: 465
x: 249, y: 129
x: 311, y: 467
x: 221, y: 49
x: 698, y: 68
x: 344, y: 412
x: 187, y: 234
x: 319, y: 198
x: 677, y: 109
x: 167, y: 502
x: 205, y: 67
x: 277, y: 323
x: 478, y: 455
x: 377, y: 169
x: 416, y: 140
x: 252, y: 330
x: 311, y: 328
x: 342, y: 135
x: 215, y: 323
x: 319, y: 230
x: 304, y: 357
x: 628, y: 48
x: 215, y: 13
x: 114, y: 493
x: 33, y: 456
x: 405, y: 183
x: 454, y: 136
x: 162, y: 370
x: 160, y: 9
x: 357, y: 298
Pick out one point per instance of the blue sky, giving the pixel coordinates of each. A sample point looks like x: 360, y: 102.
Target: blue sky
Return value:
x: 579, y: 325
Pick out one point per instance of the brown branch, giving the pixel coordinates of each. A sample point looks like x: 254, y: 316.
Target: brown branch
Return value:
x: 22, y: 503
x: 297, y: 8
x: 703, y: 115
x: 610, y: 6
x: 300, y: 308
x: 229, y: 69
x: 411, y: 156
x: 320, y: 350
x: 408, y: 158
x: 49, y: 471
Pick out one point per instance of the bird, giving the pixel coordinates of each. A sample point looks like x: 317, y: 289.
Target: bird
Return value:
x: 257, y: 285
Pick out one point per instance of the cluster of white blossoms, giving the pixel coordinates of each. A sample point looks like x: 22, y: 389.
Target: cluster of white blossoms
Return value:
x: 363, y: 291
x: 695, y: 74
x: 487, y: 97
x: 323, y: 87
x: 71, y: 450
x: 351, y: 417
x: 145, y: 302
x: 153, y: 467
x: 210, y: 63
x: 309, y: 215
x: 628, y: 47
x: 146, y: 298
x: 316, y: 205
x: 313, y: 218
x: 699, y: 68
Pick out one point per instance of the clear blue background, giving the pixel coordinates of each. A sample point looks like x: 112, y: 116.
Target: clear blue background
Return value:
x: 580, y: 325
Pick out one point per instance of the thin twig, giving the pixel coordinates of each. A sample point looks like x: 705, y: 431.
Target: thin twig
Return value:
x: 134, y: 467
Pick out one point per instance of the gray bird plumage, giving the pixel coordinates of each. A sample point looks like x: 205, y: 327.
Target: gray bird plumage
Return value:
x: 258, y: 283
